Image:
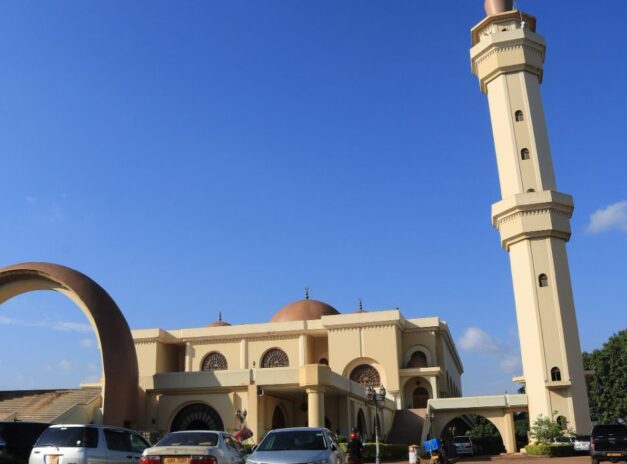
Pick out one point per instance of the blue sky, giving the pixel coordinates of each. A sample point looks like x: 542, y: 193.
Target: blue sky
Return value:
x: 197, y: 157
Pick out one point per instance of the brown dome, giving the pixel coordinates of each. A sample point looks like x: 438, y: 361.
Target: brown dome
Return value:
x: 218, y: 324
x: 493, y: 7
x: 304, y: 310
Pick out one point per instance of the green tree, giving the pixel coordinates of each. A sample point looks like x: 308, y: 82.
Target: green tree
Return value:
x: 607, y: 387
x: 545, y: 430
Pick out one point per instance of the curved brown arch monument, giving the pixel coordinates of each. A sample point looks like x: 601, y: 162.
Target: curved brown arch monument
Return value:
x: 119, y: 360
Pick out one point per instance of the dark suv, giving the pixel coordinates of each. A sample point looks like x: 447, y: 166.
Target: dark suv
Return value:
x: 608, y: 443
x: 17, y: 440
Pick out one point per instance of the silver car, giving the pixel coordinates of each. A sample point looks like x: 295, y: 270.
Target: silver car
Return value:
x: 82, y: 444
x: 195, y: 447
x: 300, y: 444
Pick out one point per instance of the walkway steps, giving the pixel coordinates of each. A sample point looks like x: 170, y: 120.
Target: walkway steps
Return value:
x: 407, y: 426
x: 44, y: 405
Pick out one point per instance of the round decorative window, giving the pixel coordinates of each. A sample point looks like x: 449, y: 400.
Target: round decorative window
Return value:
x: 275, y: 358
x: 366, y: 375
x: 214, y: 361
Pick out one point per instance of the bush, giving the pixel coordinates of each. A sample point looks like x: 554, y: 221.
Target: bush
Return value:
x: 549, y: 450
x: 546, y: 430
x: 387, y: 451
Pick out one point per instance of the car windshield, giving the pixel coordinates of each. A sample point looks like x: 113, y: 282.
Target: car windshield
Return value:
x: 294, y: 440
x: 583, y: 438
x: 601, y: 430
x: 461, y: 440
x: 189, y: 439
x: 69, y: 437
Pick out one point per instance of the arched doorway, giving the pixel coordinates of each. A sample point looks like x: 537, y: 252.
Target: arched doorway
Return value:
x: 278, y: 419
x: 197, y: 417
x: 420, y: 397
x: 361, y: 423
x: 484, y: 434
x: 119, y: 359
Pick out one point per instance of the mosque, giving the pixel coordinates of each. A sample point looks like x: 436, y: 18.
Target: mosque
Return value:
x: 313, y: 365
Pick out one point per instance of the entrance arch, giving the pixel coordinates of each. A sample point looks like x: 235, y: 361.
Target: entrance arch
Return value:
x: 197, y: 416
x: 420, y: 397
x: 119, y: 359
x: 278, y: 418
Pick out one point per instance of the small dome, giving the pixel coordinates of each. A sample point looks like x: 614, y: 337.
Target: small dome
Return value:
x: 218, y: 324
x: 304, y: 310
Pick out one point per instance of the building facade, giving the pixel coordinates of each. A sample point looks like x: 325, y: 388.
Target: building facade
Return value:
x: 308, y: 366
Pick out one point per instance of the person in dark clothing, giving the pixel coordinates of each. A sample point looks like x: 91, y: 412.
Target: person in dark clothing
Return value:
x: 354, y: 448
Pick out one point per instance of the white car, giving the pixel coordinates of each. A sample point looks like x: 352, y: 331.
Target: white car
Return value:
x: 463, y: 445
x: 83, y: 444
x: 195, y: 447
x: 582, y: 443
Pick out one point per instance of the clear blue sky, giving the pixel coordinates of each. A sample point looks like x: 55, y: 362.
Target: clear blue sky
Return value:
x: 197, y: 157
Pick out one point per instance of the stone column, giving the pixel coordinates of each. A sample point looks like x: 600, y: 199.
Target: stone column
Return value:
x: 509, y: 437
x: 252, y: 414
x: 315, y: 407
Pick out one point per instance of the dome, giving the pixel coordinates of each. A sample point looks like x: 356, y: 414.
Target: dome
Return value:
x: 304, y: 310
x: 219, y: 322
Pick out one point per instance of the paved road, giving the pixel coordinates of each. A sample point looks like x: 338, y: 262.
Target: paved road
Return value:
x: 523, y: 459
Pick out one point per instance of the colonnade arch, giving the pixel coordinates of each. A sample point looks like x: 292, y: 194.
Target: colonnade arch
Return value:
x: 119, y: 359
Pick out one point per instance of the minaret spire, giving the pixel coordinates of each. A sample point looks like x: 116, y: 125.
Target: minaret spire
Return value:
x: 533, y: 217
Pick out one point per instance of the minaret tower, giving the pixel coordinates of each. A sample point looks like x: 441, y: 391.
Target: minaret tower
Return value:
x: 533, y: 218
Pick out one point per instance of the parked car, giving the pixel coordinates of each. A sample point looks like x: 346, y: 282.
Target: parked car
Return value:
x: 581, y: 443
x: 82, y: 444
x: 608, y: 443
x: 299, y: 444
x: 17, y: 440
x: 463, y: 445
x: 565, y: 440
x: 195, y: 447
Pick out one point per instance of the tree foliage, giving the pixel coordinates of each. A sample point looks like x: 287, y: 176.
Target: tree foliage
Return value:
x: 483, y: 429
x: 545, y: 430
x: 607, y: 388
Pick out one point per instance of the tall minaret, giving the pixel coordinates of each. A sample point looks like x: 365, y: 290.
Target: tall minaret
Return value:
x: 533, y: 217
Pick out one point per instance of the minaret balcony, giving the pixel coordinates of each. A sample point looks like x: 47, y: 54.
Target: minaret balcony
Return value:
x: 509, y: 51
x: 533, y: 215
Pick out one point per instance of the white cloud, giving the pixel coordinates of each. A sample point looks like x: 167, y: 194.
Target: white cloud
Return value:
x: 65, y: 364
x: 510, y: 363
x: 72, y: 326
x: 58, y: 325
x: 505, y: 355
x: 613, y: 216
x: 88, y: 343
x: 476, y: 340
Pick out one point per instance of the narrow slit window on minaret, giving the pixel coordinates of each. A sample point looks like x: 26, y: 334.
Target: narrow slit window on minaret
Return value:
x: 556, y: 375
x: 519, y: 116
x: 543, y: 280
x: 530, y: 190
x: 524, y: 154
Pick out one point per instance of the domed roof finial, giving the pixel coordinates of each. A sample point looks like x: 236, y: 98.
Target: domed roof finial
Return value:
x: 306, y: 293
x: 220, y: 316
x: 493, y: 7
x: 361, y: 305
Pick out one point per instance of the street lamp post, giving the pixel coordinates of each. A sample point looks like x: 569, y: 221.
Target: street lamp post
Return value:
x: 377, y: 398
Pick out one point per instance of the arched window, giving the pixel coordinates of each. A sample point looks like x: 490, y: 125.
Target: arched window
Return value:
x: 418, y: 359
x: 278, y: 419
x: 366, y: 375
x: 519, y: 116
x: 361, y: 422
x: 543, y: 280
x: 530, y: 190
x: 324, y: 361
x: 420, y: 397
x: 556, y: 375
x: 197, y: 417
x: 214, y: 361
x: 524, y: 154
x: 275, y: 358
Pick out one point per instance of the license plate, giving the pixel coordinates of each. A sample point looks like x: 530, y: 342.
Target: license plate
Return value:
x: 52, y: 459
x: 614, y: 454
x: 175, y: 460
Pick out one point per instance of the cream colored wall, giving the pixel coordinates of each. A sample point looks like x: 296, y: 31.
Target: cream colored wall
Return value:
x: 168, y: 357
x: 258, y: 347
x: 320, y: 349
x: 229, y: 349
x: 349, y: 345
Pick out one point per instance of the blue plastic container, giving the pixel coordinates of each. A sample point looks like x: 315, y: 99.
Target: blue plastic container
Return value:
x: 431, y: 445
